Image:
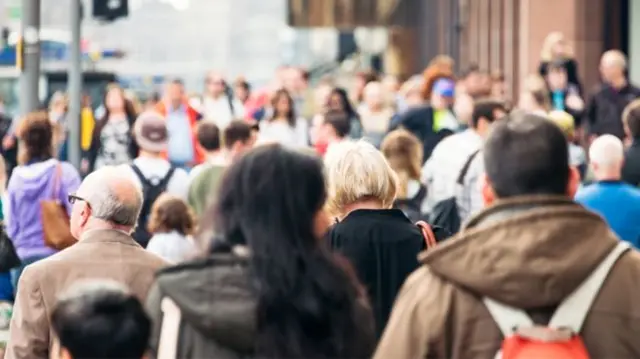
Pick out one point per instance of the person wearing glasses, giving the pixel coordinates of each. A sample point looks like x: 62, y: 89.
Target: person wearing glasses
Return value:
x: 104, y: 212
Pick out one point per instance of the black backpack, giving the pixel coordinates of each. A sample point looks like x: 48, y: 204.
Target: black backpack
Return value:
x: 151, y: 190
x: 411, y: 207
x: 445, y: 214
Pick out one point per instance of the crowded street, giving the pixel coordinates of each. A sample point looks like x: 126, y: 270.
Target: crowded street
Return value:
x: 366, y: 186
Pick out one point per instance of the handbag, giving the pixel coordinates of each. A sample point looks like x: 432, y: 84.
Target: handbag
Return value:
x: 55, y: 219
x: 8, y: 256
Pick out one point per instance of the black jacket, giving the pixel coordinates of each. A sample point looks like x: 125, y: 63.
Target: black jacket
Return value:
x: 419, y: 121
x: 604, y: 111
x: 383, y: 247
x: 577, y: 114
x: 631, y: 169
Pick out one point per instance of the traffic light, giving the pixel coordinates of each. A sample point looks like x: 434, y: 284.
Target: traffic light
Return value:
x: 110, y: 10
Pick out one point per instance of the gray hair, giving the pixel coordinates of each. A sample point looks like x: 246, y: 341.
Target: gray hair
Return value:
x: 107, y: 205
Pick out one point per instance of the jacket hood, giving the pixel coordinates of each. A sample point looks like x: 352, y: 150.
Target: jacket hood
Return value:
x: 528, y: 252
x: 215, y: 297
x: 35, y: 178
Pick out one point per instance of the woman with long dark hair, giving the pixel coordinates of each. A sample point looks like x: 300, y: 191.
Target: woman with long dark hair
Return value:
x: 112, y: 142
x: 284, y: 127
x: 269, y: 288
x: 339, y: 101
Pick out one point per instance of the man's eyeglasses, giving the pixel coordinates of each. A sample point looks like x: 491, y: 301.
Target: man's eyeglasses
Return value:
x: 72, y: 198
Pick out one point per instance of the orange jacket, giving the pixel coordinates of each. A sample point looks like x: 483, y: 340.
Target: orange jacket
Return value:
x: 194, y: 117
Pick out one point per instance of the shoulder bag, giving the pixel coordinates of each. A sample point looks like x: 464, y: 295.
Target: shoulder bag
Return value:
x: 55, y: 219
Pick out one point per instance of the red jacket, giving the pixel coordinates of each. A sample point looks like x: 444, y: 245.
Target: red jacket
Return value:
x: 194, y: 117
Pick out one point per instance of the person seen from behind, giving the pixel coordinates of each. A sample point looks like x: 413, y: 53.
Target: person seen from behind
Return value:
x: 286, y: 295
x: 172, y: 224
x: 403, y: 151
x: 617, y: 202
x: 284, y: 126
x: 104, y: 214
x: 39, y: 177
x: 151, y: 170
x: 457, y: 158
x: 58, y: 107
x: 381, y: 243
x: 333, y: 127
x: 209, y: 138
x: 6, y: 288
x: 112, y: 143
x: 99, y: 319
x: 529, y: 249
x: 181, y: 120
x: 604, y: 111
x: 631, y: 122
x: 238, y: 138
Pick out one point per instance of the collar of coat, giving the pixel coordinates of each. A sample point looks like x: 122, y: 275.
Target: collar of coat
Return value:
x: 527, y: 252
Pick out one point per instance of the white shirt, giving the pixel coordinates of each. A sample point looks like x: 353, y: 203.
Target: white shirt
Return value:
x: 172, y: 247
x: 441, y: 171
x: 282, y: 133
x: 157, y: 168
x: 219, y: 111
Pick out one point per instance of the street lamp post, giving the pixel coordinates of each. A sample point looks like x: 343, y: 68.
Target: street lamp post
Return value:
x: 75, y: 84
x: 30, y: 71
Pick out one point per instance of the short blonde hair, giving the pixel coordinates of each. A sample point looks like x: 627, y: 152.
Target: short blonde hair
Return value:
x: 356, y: 171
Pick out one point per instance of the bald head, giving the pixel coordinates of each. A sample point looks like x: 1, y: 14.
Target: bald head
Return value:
x: 114, y: 196
x: 607, y: 157
x: 614, y: 58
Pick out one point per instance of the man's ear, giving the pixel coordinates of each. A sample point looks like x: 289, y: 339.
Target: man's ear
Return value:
x: 574, y: 181
x: 488, y: 195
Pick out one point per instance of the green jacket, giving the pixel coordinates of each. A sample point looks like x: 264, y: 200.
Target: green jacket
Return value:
x: 203, y: 188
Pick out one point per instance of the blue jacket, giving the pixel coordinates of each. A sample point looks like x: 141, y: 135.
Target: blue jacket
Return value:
x: 618, y: 203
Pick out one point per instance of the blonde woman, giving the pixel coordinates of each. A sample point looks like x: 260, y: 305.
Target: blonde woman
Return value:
x: 380, y: 242
x: 403, y: 151
x: 555, y: 48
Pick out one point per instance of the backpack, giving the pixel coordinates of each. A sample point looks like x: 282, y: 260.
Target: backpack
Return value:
x: 445, y: 213
x: 151, y: 190
x: 411, y: 206
x: 561, y: 337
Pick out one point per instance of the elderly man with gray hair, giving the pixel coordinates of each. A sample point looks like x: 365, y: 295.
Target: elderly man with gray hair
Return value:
x: 616, y: 201
x: 105, y: 211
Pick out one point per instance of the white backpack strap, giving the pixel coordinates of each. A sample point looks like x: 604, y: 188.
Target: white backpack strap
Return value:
x: 572, y: 312
x: 170, y: 329
x: 507, y: 318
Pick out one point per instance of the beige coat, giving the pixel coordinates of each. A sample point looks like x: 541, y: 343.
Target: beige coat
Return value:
x: 101, y: 254
x: 530, y: 254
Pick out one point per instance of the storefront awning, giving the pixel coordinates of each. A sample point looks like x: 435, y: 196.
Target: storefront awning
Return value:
x: 350, y: 13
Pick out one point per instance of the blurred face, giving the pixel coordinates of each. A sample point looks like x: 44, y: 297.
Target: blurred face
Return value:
x: 559, y: 48
x: 283, y: 107
x: 115, y: 100
x: 463, y: 108
x: 175, y: 92
x: 391, y: 84
x: 335, y: 102
x: 473, y: 82
x: 557, y: 79
x: 241, y: 93
x: 322, y: 95
x: 373, y: 96
x: 527, y: 102
x: 215, y: 85
x: 498, y: 89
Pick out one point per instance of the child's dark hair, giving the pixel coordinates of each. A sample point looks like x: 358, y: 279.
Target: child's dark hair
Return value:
x: 101, y: 320
x: 170, y: 213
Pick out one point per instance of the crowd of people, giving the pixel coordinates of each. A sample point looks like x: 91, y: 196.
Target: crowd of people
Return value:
x: 434, y: 218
